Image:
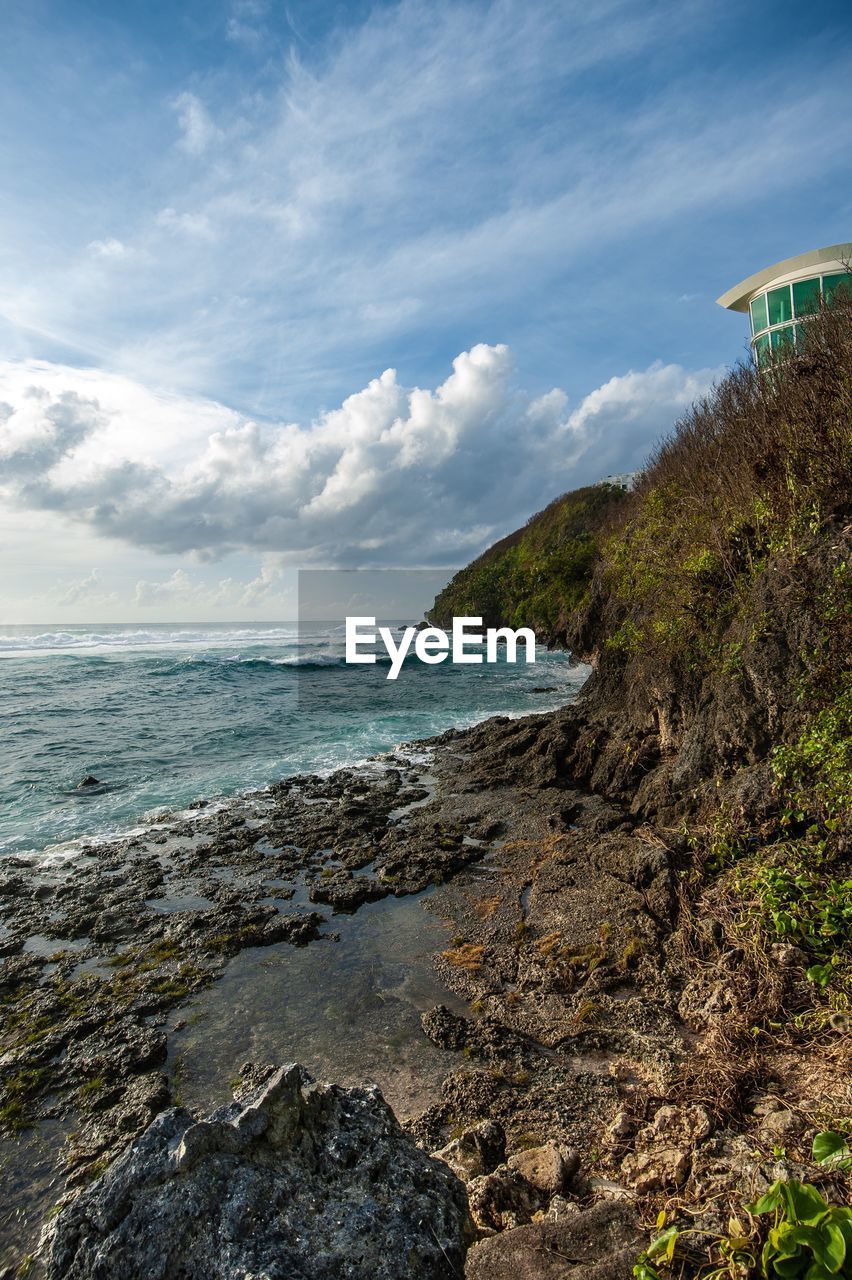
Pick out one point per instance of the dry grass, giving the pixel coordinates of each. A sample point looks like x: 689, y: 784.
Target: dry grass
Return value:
x: 468, y: 956
x: 552, y: 946
x: 586, y: 1014
x: 486, y: 907
x: 729, y: 1062
x: 757, y: 469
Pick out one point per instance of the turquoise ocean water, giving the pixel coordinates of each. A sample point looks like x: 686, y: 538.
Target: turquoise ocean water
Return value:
x: 166, y: 715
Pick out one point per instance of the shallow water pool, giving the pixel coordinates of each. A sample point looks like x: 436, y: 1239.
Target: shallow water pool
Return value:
x: 348, y: 1010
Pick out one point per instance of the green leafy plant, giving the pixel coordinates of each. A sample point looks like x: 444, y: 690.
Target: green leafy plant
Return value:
x: 809, y: 1239
x: 820, y: 975
x: 738, y: 1253
x: 806, y: 907
x: 660, y: 1250
x: 831, y: 1149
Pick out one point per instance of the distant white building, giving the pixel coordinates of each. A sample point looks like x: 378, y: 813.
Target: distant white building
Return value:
x: 624, y: 480
x: 780, y: 298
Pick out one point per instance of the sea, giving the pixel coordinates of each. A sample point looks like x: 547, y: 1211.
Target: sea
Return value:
x: 166, y: 715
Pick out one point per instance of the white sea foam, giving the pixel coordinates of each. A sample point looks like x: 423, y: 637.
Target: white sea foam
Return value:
x: 21, y: 640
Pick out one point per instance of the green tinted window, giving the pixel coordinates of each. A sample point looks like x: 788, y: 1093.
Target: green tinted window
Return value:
x: 830, y: 284
x: 806, y: 297
x: 761, y: 348
x: 780, y: 308
x: 758, y: 313
x: 782, y: 338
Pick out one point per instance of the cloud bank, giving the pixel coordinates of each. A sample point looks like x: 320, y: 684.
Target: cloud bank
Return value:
x: 394, y: 475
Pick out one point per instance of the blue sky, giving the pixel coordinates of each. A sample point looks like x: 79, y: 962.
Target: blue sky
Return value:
x: 223, y: 222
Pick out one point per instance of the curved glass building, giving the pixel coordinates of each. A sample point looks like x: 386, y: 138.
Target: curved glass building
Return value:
x: 780, y: 298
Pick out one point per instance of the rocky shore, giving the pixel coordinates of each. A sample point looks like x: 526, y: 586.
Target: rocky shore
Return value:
x: 582, y: 1100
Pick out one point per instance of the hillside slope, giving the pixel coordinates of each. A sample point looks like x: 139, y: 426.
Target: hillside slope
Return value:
x: 538, y: 575
x: 714, y: 601
x: 719, y: 617
x: 719, y: 622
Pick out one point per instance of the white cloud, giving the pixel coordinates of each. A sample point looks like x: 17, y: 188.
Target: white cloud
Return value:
x: 269, y: 587
x: 193, y: 224
x: 197, y: 129
x: 181, y: 590
x: 110, y: 248
x: 396, y: 474
x: 89, y: 590
x: 391, y: 313
x: 244, y: 25
x: 615, y: 418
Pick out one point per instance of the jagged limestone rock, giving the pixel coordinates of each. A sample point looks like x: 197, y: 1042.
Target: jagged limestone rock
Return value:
x: 301, y: 1181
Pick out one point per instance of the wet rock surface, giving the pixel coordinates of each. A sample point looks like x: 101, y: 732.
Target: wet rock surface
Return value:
x: 99, y: 947
x: 296, y: 1180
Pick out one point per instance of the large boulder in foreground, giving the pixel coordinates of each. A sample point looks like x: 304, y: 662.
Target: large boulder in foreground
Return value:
x: 300, y: 1181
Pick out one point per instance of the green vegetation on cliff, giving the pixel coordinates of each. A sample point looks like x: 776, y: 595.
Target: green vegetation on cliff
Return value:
x: 538, y: 575
x: 754, y: 476
x: 720, y: 620
x: 716, y: 604
x: 722, y: 598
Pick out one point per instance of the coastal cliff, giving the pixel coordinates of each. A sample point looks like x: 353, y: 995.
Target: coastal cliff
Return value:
x: 647, y: 899
x: 715, y: 604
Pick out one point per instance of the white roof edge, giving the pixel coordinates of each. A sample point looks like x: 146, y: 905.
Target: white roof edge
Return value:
x: 737, y: 299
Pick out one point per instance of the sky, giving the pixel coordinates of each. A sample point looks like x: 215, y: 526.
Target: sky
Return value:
x: 340, y: 285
